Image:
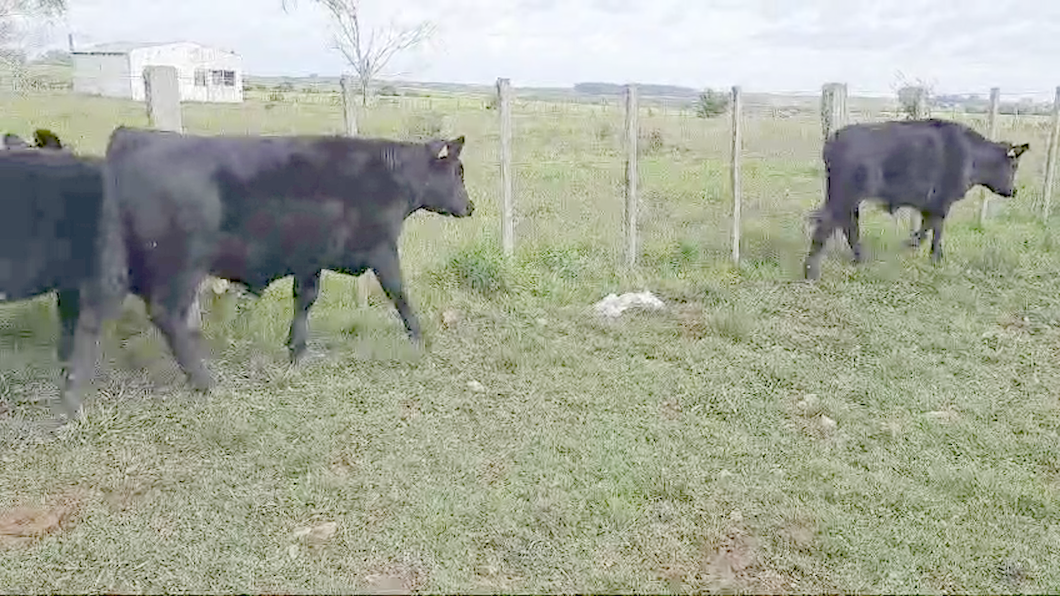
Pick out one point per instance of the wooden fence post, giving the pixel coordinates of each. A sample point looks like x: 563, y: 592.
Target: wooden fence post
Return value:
x: 162, y: 95
x: 348, y: 85
x: 737, y: 143
x: 834, y: 113
x: 504, y: 109
x: 631, y: 174
x: 921, y: 109
x: 991, y: 125
x: 1050, y: 158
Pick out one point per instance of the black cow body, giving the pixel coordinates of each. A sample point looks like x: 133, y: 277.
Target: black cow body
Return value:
x: 51, y: 227
x: 257, y: 209
x: 925, y: 164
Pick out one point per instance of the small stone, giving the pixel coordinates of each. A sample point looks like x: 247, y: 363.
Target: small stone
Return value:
x: 808, y: 402
x: 943, y: 416
x: 476, y: 386
x: 450, y: 318
x: 317, y: 534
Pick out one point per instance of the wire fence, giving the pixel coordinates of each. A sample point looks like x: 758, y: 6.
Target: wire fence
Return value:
x: 565, y: 177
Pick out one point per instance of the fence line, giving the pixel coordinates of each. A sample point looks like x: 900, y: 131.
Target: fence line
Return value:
x: 504, y: 110
x: 995, y: 103
x: 1050, y: 159
x: 348, y: 88
x: 164, y: 111
x: 632, y: 129
x: 734, y: 168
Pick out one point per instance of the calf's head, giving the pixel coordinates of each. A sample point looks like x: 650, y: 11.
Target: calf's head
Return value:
x: 42, y: 137
x: 996, y: 164
x: 440, y: 187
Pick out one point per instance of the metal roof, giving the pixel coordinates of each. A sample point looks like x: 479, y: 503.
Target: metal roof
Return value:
x: 124, y: 47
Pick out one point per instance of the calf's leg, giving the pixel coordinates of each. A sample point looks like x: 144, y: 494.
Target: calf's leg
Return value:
x: 936, y: 237
x: 850, y: 229
x: 823, y: 228
x: 306, y: 290
x: 388, y: 272
x: 168, y: 308
x: 917, y: 235
x: 77, y: 349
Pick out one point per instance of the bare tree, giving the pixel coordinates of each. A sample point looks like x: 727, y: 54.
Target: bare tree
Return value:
x: 13, y: 10
x: 13, y: 16
x: 369, y: 52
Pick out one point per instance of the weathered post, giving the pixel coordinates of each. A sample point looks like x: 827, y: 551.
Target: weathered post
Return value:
x: 162, y: 95
x: 737, y: 145
x: 631, y: 175
x: 1050, y: 158
x: 991, y: 124
x: 504, y: 109
x: 921, y: 110
x: 834, y: 114
x: 348, y: 85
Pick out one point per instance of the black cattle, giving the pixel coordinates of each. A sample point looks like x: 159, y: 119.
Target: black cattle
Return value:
x: 13, y: 141
x: 925, y: 164
x: 44, y: 139
x: 51, y: 224
x: 256, y: 209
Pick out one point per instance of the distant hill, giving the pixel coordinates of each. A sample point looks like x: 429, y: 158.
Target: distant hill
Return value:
x: 643, y: 90
x: 53, y: 71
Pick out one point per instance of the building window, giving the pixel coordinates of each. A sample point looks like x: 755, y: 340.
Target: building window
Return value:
x: 225, y: 78
x: 200, y: 77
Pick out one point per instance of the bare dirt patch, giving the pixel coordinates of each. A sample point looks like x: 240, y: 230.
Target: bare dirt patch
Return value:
x: 398, y: 577
x: 734, y: 563
x: 800, y: 532
x: 25, y: 524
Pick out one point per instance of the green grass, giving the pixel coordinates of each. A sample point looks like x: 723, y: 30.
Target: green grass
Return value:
x: 893, y: 428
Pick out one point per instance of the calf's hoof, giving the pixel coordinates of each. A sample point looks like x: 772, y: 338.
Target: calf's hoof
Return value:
x: 202, y: 383
x: 295, y: 355
x: 811, y: 271
x: 66, y: 410
x: 419, y: 341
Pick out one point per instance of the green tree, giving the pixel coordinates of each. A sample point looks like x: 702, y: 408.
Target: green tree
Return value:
x: 711, y: 104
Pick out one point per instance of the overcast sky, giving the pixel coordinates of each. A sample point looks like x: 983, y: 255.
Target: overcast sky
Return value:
x: 763, y: 45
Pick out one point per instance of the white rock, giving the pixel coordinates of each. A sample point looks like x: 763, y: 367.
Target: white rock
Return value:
x: 612, y: 306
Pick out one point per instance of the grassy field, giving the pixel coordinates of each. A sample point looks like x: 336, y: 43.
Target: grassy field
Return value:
x: 892, y: 428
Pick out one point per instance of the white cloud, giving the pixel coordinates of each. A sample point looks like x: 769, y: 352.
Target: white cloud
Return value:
x: 967, y: 45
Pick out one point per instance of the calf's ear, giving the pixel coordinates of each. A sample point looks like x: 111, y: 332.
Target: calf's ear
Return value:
x: 1018, y: 150
x: 455, y: 146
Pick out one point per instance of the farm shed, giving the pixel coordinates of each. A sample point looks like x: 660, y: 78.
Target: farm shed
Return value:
x: 116, y: 70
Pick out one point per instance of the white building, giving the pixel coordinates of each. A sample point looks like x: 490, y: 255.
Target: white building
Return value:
x: 116, y: 70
